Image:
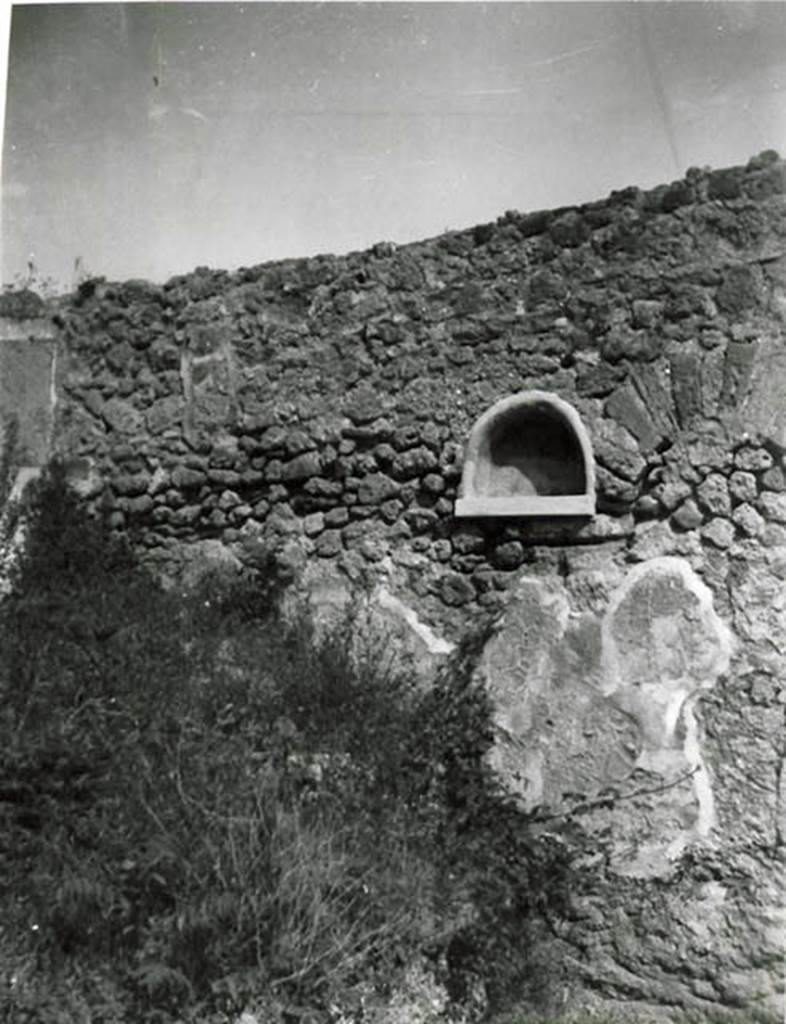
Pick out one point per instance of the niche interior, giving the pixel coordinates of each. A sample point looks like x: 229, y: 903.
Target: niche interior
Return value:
x: 528, y: 455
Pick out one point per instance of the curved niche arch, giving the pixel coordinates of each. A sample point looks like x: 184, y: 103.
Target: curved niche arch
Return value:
x: 528, y: 455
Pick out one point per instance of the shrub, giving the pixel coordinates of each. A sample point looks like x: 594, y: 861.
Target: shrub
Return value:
x: 204, y: 806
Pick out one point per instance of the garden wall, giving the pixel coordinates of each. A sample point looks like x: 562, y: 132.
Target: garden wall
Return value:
x: 319, y: 408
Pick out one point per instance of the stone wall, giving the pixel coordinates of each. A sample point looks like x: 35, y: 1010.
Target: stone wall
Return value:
x: 318, y: 408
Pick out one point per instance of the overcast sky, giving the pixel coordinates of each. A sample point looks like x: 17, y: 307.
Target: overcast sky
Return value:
x: 146, y: 139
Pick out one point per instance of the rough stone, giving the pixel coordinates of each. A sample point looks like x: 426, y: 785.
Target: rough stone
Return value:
x: 278, y: 496
x: 173, y: 498
x: 119, y: 357
x: 671, y: 493
x: 121, y: 416
x: 597, y: 381
x: 328, y: 544
x: 321, y: 488
x: 159, y: 482
x: 605, y: 528
x: 764, y: 410
x: 412, y: 463
x: 742, y: 486
x: 646, y: 506
x: 433, y: 483
x: 377, y: 488
x: 224, y: 477
x: 188, y: 479
x: 138, y: 506
x: 687, y: 299
x: 719, y: 532
x: 251, y: 477
x: 273, y: 440
x: 186, y: 516
x: 568, y: 229
x: 273, y: 471
x: 737, y: 373
x: 752, y: 459
x: 613, y: 494
x: 706, y: 454
x: 297, y: 442
x: 647, y: 312
x: 336, y: 516
x: 651, y: 383
x: 372, y: 549
x: 509, y: 555
x: 164, y: 414
x: 774, y: 479
x: 420, y: 519
x: 741, y: 289
x: 685, y: 366
x: 637, y: 346
x: 94, y: 402
x: 688, y: 516
x: 456, y: 590
x: 713, y: 495
x: 724, y: 185
x: 302, y: 467
x: 772, y: 506
x: 163, y: 354
x: 468, y: 540
x: 748, y: 520
x: 617, y: 450
x: 712, y: 369
x: 131, y: 484
x: 240, y: 513
x: 625, y: 406
x: 228, y: 500
x: 676, y: 195
x: 362, y: 405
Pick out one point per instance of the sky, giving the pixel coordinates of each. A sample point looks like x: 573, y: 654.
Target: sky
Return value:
x: 145, y: 139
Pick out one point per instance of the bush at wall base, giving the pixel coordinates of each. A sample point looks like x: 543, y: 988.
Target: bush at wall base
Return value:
x: 202, y: 809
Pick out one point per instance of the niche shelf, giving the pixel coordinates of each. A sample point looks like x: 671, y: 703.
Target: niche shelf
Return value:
x: 528, y: 455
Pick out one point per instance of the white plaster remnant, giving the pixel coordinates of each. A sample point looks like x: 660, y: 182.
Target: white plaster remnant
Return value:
x: 663, y: 643
x: 52, y: 398
x: 24, y: 476
x: 434, y: 644
x: 702, y: 786
x: 83, y: 478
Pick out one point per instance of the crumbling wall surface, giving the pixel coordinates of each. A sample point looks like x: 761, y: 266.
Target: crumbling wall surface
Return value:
x: 627, y: 704
x: 318, y: 409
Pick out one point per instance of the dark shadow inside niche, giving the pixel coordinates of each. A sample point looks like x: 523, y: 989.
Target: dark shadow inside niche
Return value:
x: 534, y: 451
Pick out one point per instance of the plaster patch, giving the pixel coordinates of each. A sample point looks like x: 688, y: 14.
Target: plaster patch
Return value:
x: 587, y: 704
x: 434, y: 644
x: 83, y: 477
x: 24, y: 476
x: 702, y: 784
x: 663, y: 643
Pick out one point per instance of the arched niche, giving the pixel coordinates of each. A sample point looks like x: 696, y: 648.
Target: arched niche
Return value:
x: 528, y: 455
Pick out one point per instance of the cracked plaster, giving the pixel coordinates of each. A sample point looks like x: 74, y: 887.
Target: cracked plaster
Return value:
x: 588, y: 704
